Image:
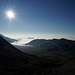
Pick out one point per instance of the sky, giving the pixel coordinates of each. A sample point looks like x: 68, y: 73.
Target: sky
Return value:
x: 38, y: 18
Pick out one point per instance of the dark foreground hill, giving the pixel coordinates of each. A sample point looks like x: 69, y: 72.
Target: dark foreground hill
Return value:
x: 10, y: 40
x: 15, y: 62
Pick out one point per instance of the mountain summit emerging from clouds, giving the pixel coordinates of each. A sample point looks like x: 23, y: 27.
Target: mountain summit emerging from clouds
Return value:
x: 10, y: 40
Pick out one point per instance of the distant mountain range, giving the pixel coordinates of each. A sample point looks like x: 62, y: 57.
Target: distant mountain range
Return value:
x: 10, y: 40
x: 53, y: 45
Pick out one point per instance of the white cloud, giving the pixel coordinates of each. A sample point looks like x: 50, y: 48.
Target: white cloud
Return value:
x: 25, y: 38
x: 22, y: 41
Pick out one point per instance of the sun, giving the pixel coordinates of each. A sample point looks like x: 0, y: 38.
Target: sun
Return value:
x: 10, y: 14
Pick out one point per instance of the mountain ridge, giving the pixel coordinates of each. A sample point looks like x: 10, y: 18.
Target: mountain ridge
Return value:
x: 10, y: 40
x: 54, y: 44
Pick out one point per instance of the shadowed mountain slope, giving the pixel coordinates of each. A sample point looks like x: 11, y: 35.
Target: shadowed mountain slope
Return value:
x: 11, y: 59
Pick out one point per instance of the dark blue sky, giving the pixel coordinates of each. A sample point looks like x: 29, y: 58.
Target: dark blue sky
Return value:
x: 56, y: 17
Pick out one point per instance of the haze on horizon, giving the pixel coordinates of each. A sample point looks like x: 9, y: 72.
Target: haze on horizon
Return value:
x: 44, y: 19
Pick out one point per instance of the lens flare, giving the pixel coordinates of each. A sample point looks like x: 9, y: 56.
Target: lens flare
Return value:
x: 10, y: 14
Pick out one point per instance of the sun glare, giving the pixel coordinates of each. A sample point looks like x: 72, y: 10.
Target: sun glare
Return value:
x: 10, y: 14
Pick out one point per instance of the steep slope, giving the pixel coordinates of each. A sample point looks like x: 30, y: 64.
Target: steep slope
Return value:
x: 10, y: 40
x: 7, y: 49
x: 11, y: 59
